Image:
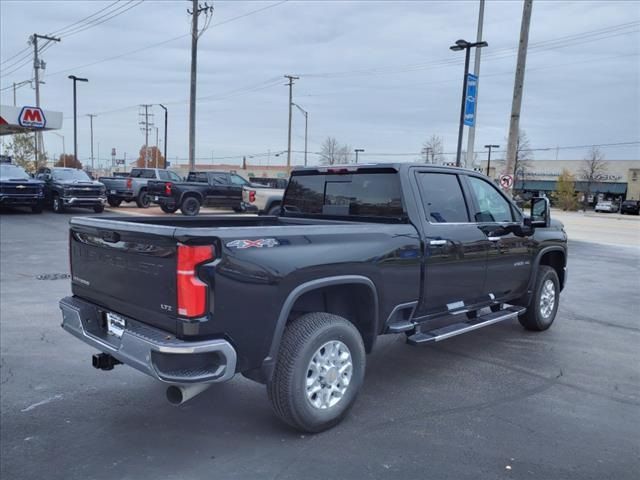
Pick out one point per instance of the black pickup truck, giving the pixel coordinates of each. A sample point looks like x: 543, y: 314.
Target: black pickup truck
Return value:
x: 210, y: 188
x: 295, y: 301
x: 18, y: 189
x: 70, y: 187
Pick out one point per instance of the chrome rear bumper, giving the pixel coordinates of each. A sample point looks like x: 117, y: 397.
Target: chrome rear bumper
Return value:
x: 150, y: 350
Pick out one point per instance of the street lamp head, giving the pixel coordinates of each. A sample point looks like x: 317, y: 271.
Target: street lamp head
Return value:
x: 78, y: 79
x: 460, y: 45
x: 492, y: 146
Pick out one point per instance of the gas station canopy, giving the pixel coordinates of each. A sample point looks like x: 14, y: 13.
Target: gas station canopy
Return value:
x: 28, y: 119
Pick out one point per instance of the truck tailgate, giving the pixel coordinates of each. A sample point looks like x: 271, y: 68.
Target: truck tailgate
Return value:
x: 130, y: 268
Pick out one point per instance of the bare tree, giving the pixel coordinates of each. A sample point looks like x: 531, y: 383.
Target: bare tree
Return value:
x: 593, y: 167
x: 332, y: 152
x: 433, y: 150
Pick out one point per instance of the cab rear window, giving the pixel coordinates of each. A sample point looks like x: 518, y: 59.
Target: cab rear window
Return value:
x: 367, y: 194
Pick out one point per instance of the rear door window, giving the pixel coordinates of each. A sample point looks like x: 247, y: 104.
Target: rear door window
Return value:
x: 442, y: 198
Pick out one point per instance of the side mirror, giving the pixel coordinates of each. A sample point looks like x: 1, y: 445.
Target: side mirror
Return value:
x: 47, y: 177
x: 540, y: 212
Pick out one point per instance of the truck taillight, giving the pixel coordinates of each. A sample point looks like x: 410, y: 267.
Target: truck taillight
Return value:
x: 129, y: 183
x: 167, y: 188
x: 252, y: 196
x: 192, y: 292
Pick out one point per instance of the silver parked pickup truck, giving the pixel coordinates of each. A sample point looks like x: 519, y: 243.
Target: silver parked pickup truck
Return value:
x: 133, y: 188
x: 256, y: 198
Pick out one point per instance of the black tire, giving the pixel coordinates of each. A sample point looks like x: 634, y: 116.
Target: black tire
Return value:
x: 114, y: 202
x: 58, y: 206
x: 143, y: 200
x: 534, y: 318
x: 302, y: 339
x: 98, y: 208
x: 237, y: 209
x: 190, y: 206
x: 496, y: 308
x: 167, y: 209
x: 37, y: 208
x: 274, y: 210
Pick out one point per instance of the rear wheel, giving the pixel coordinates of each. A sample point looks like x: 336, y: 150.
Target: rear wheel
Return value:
x: 190, y: 206
x: 58, y: 206
x: 114, y: 202
x: 143, y: 200
x: 167, y: 209
x: 318, y: 373
x: 543, y: 307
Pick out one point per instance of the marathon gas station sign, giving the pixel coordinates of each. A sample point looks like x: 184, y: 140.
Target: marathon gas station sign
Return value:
x: 27, y: 119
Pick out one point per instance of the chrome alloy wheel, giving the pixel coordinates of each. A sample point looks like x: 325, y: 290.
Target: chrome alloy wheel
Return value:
x: 547, y: 298
x: 328, y: 374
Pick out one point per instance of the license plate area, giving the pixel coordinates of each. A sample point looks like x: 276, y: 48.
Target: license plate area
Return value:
x: 116, y: 324
x: 113, y: 192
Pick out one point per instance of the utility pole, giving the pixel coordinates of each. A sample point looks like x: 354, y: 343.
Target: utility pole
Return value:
x: 37, y: 65
x: 291, y: 79
x: 306, y: 130
x: 195, y: 12
x: 358, y: 150
x: 155, y: 154
x: 514, y: 124
x: 489, y: 156
x: 166, y: 116
x: 91, y: 115
x: 146, y: 126
x: 471, y: 136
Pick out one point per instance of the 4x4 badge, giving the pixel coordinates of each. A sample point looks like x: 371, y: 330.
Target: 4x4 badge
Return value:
x: 259, y: 243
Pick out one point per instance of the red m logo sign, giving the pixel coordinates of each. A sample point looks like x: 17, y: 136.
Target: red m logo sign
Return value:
x: 32, y: 117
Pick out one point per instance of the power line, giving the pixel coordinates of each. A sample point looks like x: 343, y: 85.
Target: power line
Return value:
x: 61, y: 30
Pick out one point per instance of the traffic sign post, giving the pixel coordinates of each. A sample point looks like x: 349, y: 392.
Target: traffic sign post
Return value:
x: 470, y: 100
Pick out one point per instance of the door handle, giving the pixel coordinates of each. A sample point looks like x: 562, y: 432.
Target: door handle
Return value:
x: 494, y: 239
x: 437, y: 242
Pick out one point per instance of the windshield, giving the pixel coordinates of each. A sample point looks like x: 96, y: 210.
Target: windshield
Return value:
x: 12, y: 171
x: 78, y: 175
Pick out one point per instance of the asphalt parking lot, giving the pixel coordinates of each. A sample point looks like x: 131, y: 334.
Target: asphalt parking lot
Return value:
x: 496, y: 403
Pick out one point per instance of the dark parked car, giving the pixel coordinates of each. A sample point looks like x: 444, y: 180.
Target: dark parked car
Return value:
x: 70, y: 187
x: 631, y: 207
x: 18, y: 189
x: 213, y: 189
x: 296, y: 301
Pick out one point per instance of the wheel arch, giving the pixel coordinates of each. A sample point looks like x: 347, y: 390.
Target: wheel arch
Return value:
x: 555, y: 257
x: 329, y: 294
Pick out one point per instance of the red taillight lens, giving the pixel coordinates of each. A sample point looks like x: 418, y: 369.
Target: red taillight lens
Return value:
x: 192, y: 292
x: 252, y: 196
x: 167, y: 189
x: 129, y: 183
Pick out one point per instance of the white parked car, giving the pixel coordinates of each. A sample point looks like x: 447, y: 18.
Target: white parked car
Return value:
x: 608, y: 207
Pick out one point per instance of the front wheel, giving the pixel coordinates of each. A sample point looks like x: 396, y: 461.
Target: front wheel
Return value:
x: 543, y: 307
x: 167, y: 209
x: 58, y: 206
x: 98, y: 208
x: 190, y: 206
x: 114, y: 202
x: 143, y: 200
x: 318, y: 373
x: 37, y: 208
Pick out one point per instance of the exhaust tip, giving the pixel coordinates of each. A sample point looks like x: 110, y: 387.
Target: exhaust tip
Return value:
x: 174, y: 395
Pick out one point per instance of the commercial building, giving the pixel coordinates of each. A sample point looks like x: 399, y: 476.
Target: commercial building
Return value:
x: 620, y: 180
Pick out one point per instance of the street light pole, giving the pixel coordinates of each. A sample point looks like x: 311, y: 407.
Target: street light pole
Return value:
x: 64, y: 150
x: 358, y: 150
x: 91, y: 115
x: 489, y: 156
x: 75, y: 114
x: 466, y: 46
x: 166, y: 115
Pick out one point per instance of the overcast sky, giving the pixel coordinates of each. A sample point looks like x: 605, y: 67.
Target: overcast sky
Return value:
x: 375, y: 75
